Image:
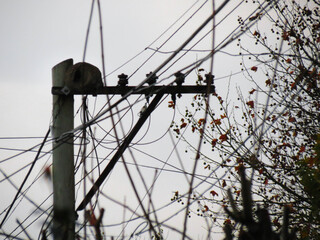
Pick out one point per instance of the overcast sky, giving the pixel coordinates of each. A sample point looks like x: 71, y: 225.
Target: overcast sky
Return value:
x: 36, y: 35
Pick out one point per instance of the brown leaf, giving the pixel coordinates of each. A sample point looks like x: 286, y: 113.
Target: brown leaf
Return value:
x: 183, y: 125
x: 302, y: 149
x: 214, y: 193
x: 171, y: 104
x: 252, y: 91
x: 291, y: 119
x: 250, y: 104
x: 200, y: 121
x: 214, y: 142
x: 268, y: 82
x: 224, y: 183
x: 254, y: 68
x: 206, y: 208
x: 217, y: 121
x: 223, y: 137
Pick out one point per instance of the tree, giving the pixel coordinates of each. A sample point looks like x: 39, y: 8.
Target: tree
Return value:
x: 274, y: 129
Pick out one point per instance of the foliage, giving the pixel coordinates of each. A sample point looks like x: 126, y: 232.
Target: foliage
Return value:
x: 277, y: 134
x: 258, y: 227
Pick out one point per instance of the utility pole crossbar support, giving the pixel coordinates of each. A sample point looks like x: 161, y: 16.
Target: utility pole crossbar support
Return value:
x: 142, y: 90
x: 144, y: 116
x: 160, y: 91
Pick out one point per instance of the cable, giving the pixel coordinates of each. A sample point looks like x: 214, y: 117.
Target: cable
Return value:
x: 175, y: 32
x: 25, y: 179
x: 111, y: 106
x: 147, y: 130
x: 88, y: 31
x: 156, y: 40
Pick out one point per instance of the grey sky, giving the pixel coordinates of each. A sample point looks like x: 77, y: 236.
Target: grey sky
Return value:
x: 36, y: 35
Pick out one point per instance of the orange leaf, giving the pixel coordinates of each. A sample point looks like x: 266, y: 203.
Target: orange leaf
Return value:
x: 201, y: 120
x: 265, y: 181
x: 183, y: 125
x: 224, y: 183
x: 254, y: 68
x: 236, y: 168
x: 47, y: 172
x: 288, y: 60
x: 291, y: 119
x: 214, y: 142
x: 217, y: 121
x: 252, y: 91
x: 256, y: 33
x: 171, y: 104
x: 268, y: 82
x: 302, y: 149
x: 223, y: 137
x: 214, y: 193
x: 177, y: 131
x: 250, y: 104
x: 223, y: 116
x: 206, y: 208
x: 293, y: 85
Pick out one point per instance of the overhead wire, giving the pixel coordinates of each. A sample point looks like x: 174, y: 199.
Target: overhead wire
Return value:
x: 23, y: 193
x: 17, y: 188
x: 212, y: 52
x: 128, y: 108
x: 178, y: 51
x: 171, y: 36
x: 210, y: 175
x: 147, y: 130
x: 164, y: 63
x: 197, y: 157
x: 23, y: 151
x: 25, y: 179
x: 162, y: 34
x: 153, y: 182
x: 214, y: 171
x: 109, y: 107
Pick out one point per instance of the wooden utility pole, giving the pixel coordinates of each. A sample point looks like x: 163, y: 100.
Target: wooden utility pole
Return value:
x: 84, y: 78
x: 63, y: 162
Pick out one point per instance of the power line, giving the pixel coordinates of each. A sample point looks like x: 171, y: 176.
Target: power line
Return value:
x: 25, y: 179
